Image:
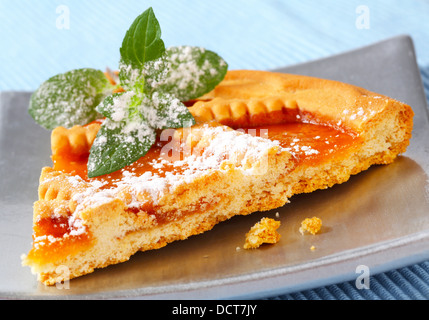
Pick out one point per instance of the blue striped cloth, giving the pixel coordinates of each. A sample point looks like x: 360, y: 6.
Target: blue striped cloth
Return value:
x: 408, y: 283
x: 250, y: 34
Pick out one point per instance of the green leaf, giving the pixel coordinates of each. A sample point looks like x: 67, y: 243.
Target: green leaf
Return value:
x: 69, y: 99
x: 119, y: 144
x: 142, y: 43
x: 192, y: 72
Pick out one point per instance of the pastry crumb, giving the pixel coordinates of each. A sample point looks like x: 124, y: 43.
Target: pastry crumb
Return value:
x: 264, y: 231
x: 311, y: 225
x: 312, y: 248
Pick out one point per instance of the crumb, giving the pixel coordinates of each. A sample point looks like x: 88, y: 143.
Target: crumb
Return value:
x: 312, y: 248
x: 265, y: 231
x: 277, y: 214
x: 311, y: 225
x: 237, y: 249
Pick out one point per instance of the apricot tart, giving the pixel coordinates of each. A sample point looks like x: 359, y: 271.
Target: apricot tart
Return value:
x: 259, y: 138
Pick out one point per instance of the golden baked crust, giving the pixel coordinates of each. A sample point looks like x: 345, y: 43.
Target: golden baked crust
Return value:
x: 223, y: 172
x: 74, y: 141
x: 245, y: 94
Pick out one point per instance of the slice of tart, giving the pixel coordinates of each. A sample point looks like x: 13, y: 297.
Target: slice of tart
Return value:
x: 260, y: 138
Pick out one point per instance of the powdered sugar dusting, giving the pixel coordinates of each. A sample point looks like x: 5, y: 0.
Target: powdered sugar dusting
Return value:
x: 219, y: 145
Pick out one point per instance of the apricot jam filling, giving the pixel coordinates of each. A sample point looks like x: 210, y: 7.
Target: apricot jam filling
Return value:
x: 307, y: 140
x: 159, y: 160
x: 55, y: 238
x: 308, y: 143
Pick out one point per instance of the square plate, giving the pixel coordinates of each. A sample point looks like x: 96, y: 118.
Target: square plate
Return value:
x: 379, y: 218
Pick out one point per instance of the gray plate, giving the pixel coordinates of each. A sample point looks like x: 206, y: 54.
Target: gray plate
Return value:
x: 380, y: 218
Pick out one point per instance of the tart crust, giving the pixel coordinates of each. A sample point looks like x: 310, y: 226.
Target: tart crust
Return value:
x: 84, y: 224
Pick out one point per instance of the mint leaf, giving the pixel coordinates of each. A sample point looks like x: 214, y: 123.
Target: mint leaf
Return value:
x: 119, y: 144
x: 191, y: 72
x: 142, y: 43
x: 69, y: 99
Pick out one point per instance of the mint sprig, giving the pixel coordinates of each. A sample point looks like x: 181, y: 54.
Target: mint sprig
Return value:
x: 156, y: 81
